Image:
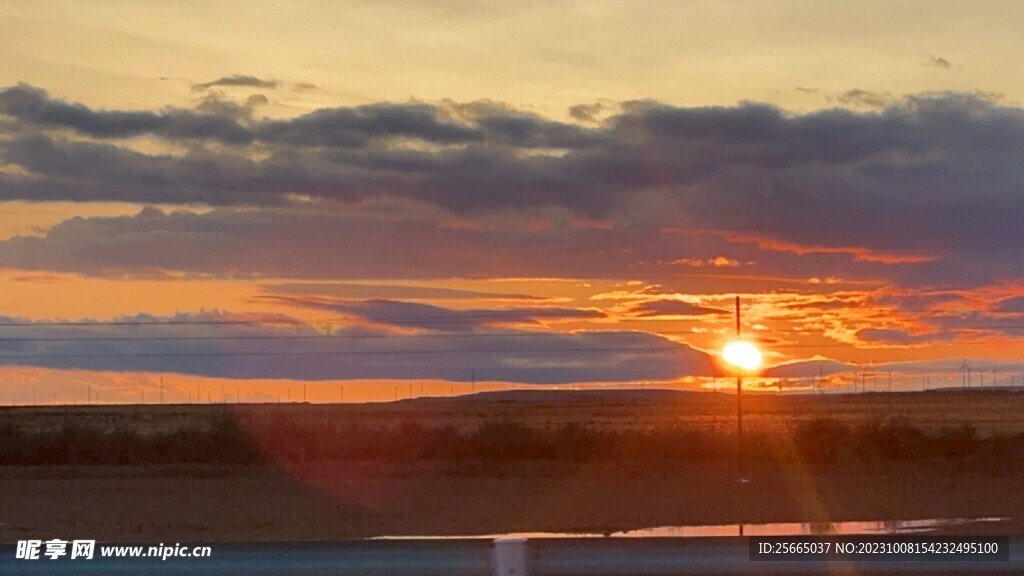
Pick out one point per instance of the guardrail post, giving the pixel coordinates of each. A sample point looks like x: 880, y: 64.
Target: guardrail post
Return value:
x: 509, y: 557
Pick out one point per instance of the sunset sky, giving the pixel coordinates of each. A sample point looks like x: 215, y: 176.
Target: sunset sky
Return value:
x: 381, y: 198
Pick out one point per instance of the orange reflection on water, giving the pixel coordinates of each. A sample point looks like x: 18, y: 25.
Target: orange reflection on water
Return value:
x: 724, y: 530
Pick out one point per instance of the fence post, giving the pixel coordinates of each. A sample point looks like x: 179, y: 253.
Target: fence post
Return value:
x: 509, y: 558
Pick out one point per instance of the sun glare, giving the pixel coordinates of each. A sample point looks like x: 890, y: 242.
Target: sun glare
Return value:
x: 743, y: 355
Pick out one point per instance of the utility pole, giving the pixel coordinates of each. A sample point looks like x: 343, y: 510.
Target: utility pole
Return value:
x: 161, y: 389
x: 739, y: 401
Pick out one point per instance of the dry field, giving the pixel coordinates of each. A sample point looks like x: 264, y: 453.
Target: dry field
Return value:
x: 346, y: 500
x: 988, y: 411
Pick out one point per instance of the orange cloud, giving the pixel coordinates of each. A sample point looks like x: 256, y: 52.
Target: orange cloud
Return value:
x: 859, y: 253
x: 716, y: 262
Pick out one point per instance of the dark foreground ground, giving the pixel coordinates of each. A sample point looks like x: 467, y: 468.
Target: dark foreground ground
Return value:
x: 119, y: 504
x: 298, y: 498
x: 592, y: 557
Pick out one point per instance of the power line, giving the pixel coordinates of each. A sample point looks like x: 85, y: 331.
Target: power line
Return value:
x: 498, y: 315
x: 510, y: 314
x: 328, y: 337
x: 338, y: 352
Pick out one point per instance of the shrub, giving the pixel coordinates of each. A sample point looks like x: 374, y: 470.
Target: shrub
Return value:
x: 895, y: 439
x: 282, y: 437
x: 579, y: 443
x: 820, y: 441
x: 955, y: 441
x: 509, y: 440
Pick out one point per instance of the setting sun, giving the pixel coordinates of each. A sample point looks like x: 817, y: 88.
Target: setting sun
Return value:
x: 743, y: 355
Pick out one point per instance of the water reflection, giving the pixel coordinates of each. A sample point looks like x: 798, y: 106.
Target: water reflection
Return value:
x: 773, y: 529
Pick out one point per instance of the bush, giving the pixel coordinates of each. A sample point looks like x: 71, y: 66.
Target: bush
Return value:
x: 579, y: 443
x: 281, y: 437
x: 509, y: 440
x: 820, y: 441
x: 895, y: 439
x: 955, y: 441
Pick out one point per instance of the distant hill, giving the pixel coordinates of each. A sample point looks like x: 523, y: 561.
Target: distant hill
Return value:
x: 567, y: 396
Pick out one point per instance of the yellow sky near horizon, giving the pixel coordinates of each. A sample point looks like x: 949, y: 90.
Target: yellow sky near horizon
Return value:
x: 541, y: 56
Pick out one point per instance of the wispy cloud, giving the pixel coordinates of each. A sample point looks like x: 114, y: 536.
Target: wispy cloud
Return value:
x: 939, y: 62
x: 858, y: 253
x: 235, y: 81
x: 867, y: 98
x: 391, y: 291
x: 430, y: 317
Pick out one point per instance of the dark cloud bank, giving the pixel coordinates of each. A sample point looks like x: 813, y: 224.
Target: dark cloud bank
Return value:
x: 416, y: 190
x: 493, y: 345
x: 938, y: 176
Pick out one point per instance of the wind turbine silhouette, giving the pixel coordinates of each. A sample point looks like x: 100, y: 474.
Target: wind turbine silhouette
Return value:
x: 965, y: 380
